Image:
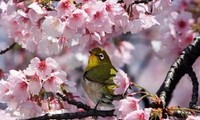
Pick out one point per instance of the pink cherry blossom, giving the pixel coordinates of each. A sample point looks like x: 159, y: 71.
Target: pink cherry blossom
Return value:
x: 30, y: 109
x: 19, y: 87
x: 139, y: 115
x: 43, y: 68
x: 180, y: 5
x: 119, y: 54
x: 7, y: 116
x: 71, y: 37
x: 65, y: 7
x: 68, y: 107
x: 49, y: 46
x: 70, y: 86
x: 35, y: 6
x: 190, y: 117
x: 11, y: 101
x: 183, y: 22
x: 34, y: 84
x: 4, y: 87
x: 125, y: 106
x: 97, y: 19
x: 53, y: 83
x: 126, y: 48
x: 54, y: 105
x: 22, y: 90
x: 53, y: 26
x: 77, y: 19
x: 122, y: 82
x: 45, y: 105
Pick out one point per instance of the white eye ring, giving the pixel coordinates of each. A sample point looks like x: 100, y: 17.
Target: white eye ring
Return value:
x: 101, y: 56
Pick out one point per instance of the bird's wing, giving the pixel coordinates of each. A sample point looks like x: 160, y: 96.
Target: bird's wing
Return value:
x: 102, y: 74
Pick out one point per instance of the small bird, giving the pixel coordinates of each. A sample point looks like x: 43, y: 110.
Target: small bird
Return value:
x: 98, y: 79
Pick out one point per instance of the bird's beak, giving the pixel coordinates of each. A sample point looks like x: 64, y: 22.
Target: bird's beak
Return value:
x: 91, y: 52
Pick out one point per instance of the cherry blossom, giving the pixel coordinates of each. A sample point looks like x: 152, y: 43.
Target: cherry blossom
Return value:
x: 65, y: 7
x: 30, y: 109
x: 67, y: 29
x: 46, y: 30
x: 53, y: 83
x: 7, y: 116
x: 52, y: 26
x: 125, y: 106
x: 77, y: 19
x: 4, y: 87
x: 35, y: 84
x: 193, y: 118
x: 19, y: 87
x: 38, y: 83
x: 183, y: 21
x: 42, y: 68
x: 49, y: 46
x: 177, y: 33
x: 181, y: 5
x: 139, y: 115
x: 122, y: 82
x: 122, y: 51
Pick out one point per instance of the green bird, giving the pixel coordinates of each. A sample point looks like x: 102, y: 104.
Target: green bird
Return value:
x: 98, y: 79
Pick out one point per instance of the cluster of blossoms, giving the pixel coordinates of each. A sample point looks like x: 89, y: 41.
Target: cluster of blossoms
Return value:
x: 178, y: 27
x: 31, y: 92
x: 48, y: 27
x: 128, y: 108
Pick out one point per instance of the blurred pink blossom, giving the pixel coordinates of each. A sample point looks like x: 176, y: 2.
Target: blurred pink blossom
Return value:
x: 190, y: 117
x: 183, y: 21
x: 30, y: 109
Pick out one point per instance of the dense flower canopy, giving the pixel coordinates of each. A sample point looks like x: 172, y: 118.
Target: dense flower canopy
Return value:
x: 53, y: 38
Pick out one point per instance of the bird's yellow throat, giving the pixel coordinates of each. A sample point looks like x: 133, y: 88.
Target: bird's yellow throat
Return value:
x: 93, y: 62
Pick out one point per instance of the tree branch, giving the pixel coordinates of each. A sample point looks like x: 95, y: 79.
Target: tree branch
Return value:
x: 135, y: 2
x: 177, y: 70
x: 141, y: 1
x: 76, y: 115
x: 7, y: 49
x: 73, y: 102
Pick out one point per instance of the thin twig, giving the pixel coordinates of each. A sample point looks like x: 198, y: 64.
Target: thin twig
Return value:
x: 73, y: 102
x: 141, y: 1
x: 7, y: 49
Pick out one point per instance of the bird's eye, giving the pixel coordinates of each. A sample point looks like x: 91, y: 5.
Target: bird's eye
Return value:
x: 101, y: 56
